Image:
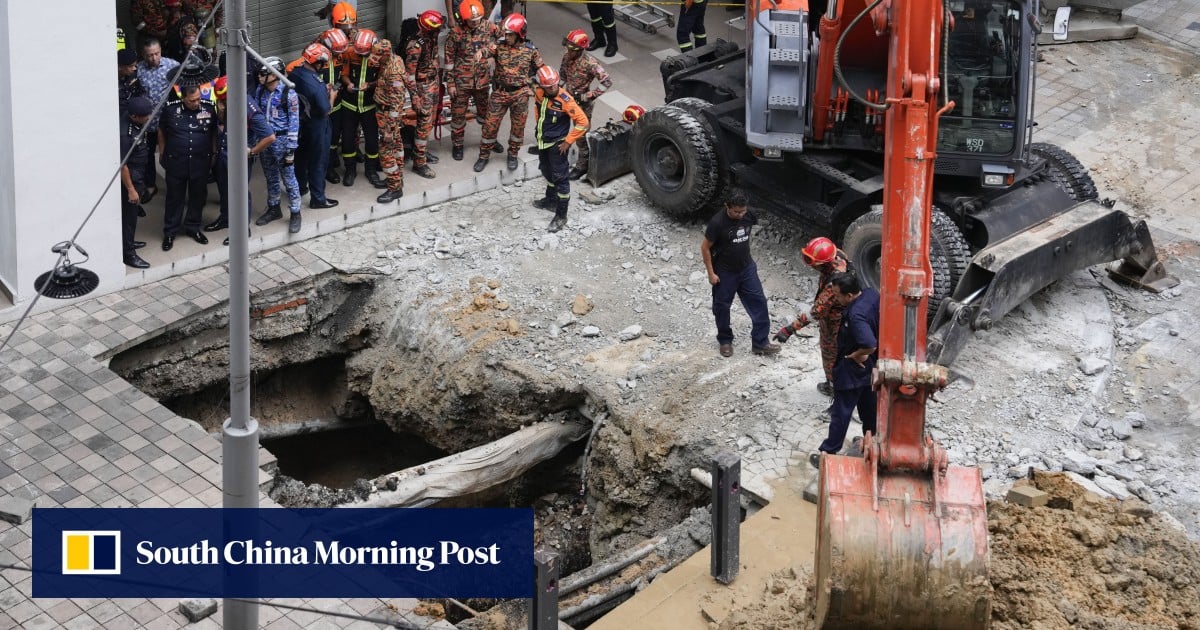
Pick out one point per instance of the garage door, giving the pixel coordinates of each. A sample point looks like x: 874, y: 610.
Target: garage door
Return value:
x: 282, y: 27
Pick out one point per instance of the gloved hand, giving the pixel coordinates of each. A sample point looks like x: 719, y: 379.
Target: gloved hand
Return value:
x: 785, y: 333
x: 289, y: 157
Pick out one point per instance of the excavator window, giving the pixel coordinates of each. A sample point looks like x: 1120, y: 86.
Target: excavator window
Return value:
x: 983, y: 76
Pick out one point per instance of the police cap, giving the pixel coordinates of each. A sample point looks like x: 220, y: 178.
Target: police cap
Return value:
x: 126, y: 57
x: 140, y: 106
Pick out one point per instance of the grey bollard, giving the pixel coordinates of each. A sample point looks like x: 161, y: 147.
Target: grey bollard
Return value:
x: 543, y: 613
x: 726, y: 516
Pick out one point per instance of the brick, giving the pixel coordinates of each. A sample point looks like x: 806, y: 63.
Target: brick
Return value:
x: 1027, y: 496
x: 15, y: 510
x: 197, y: 609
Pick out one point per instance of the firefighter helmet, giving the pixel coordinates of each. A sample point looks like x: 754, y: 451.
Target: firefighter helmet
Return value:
x: 335, y: 40
x: 381, y: 51
x: 316, y: 53
x: 576, y: 39
x: 431, y: 21
x: 343, y: 14
x: 364, y: 41
x: 818, y: 251
x: 470, y: 10
x: 547, y: 77
x: 515, y: 23
x: 632, y: 113
x: 221, y: 87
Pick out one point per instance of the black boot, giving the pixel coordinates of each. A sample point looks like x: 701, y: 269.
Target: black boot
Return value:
x: 273, y: 213
x: 331, y: 174
x: 431, y: 157
x: 597, y: 37
x: 390, y: 196
x: 545, y: 203
x: 610, y: 36
x: 480, y: 164
x: 424, y: 171
x: 351, y: 172
x: 457, y: 153
x: 372, y: 172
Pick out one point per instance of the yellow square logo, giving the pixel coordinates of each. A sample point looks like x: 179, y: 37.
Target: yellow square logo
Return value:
x: 91, y: 552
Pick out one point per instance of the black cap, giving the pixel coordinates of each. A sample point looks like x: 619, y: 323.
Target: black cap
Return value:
x: 126, y: 57
x: 140, y: 106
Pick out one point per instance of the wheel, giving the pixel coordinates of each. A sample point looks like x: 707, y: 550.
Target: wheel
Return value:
x: 674, y: 161
x: 675, y: 63
x: 695, y: 105
x: 1066, y: 171
x: 949, y: 255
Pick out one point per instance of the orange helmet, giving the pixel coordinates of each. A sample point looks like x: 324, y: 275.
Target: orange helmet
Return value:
x: 316, y: 53
x: 431, y: 21
x: 515, y: 23
x: 365, y: 41
x: 221, y: 87
x: 470, y: 10
x: 343, y: 14
x: 632, y: 113
x: 576, y: 38
x: 547, y: 77
x: 820, y: 250
x: 335, y: 40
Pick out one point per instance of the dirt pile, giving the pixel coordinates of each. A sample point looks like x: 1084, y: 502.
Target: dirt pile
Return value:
x: 1082, y: 561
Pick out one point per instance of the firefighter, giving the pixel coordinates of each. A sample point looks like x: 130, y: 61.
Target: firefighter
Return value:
x: 468, y: 76
x: 691, y: 25
x: 336, y: 41
x: 822, y: 255
x: 560, y: 123
x: 344, y: 17
x: 517, y: 59
x: 424, y: 84
x: 389, y: 98
x: 358, y: 104
x: 604, y: 27
x: 577, y: 72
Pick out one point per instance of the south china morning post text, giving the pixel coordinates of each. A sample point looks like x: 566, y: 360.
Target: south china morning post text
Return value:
x: 277, y: 552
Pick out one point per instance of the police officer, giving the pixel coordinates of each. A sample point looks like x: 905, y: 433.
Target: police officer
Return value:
x: 259, y: 136
x: 312, y: 154
x: 128, y: 84
x: 187, y: 141
x: 560, y: 123
x: 424, y: 84
x: 137, y: 114
x: 517, y: 59
x: 577, y: 73
x: 282, y: 109
x: 389, y: 97
x: 468, y: 77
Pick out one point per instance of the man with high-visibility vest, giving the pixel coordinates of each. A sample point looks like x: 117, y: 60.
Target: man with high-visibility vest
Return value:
x: 357, y: 96
x: 560, y: 123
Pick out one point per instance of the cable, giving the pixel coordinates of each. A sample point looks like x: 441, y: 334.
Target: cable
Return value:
x: 62, y: 257
x: 837, y: 53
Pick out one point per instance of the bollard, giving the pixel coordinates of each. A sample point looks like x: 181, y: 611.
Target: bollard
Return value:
x: 726, y: 516
x: 543, y: 612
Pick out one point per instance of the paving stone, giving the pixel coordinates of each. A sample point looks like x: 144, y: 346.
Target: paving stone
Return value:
x: 15, y: 510
x: 197, y: 609
x: 1027, y: 496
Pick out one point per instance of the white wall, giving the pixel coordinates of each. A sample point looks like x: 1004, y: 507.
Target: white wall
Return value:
x: 58, y: 114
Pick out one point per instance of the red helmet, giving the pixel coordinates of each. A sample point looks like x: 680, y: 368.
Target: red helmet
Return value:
x: 335, y: 40
x: 431, y: 21
x: 470, y: 10
x: 221, y: 87
x: 172, y: 3
x: 343, y: 14
x: 515, y: 23
x: 547, y: 77
x: 576, y: 38
x: 632, y: 113
x: 365, y: 41
x: 820, y: 250
x: 316, y: 53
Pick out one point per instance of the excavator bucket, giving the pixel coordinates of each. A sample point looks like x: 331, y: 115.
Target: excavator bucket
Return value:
x: 609, y: 148
x: 901, y: 550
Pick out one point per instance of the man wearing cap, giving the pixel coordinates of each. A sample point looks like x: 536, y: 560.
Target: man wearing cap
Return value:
x: 259, y: 136
x: 136, y: 143
x: 128, y: 84
x: 187, y: 141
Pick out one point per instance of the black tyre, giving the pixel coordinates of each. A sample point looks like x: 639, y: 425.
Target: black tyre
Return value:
x: 949, y: 255
x: 1066, y: 171
x: 674, y: 161
x: 695, y: 106
x: 675, y: 63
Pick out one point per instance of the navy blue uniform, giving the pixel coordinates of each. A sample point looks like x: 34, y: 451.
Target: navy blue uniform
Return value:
x: 312, y: 156
x: 852, y: 383
x: 127, y: 88
x: 137, y: 174
x: 257, y: 128
x: 729, y: 243
x: 189, y: 141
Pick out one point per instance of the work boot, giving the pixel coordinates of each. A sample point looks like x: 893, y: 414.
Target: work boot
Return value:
x: 431, y: 157
x: 372, y: 172
x: 545, y: 203
x: 294, y: 223
x: 610, y: 34
x: 424, y: 171
x: 557, y: 223
x: 496, y: 148
x: 825, y: 388
x: 390, y: 196
x: 532, y: 150
x: 770, y: 349
x: 351, y: 172
x: 513, y: 163
x: 480, y: 164
x: 273, y: 213
x: 457, y: 153
x: 331, y: 174
x: 577, y: 172
x: 598, y: 37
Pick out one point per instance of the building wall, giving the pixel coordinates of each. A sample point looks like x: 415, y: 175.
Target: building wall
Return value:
x: 59, y: 145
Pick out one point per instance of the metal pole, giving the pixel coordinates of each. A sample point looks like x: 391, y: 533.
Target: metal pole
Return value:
x: 543, y: 610
x: 239, y: 444
x: 726, y: 517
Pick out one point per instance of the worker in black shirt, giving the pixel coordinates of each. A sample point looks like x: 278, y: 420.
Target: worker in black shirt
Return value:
x: 137, y: 115
x: 187, y: 141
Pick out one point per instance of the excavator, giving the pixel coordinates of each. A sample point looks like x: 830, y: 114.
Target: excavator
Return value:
x: 902, y: 129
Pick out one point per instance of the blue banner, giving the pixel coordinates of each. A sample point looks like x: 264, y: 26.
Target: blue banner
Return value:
x: 212, y: 552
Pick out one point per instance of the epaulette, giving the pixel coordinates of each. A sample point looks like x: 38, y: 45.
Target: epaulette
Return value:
x: 529, y: 45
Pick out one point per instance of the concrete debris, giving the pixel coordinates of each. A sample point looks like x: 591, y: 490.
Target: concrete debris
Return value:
x: 590, y: 331
x: 630, y: 333
x: 582, y: 305
x: 1091, y: 365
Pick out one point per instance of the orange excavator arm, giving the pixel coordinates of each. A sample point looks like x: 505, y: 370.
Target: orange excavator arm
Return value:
x: 902, y: 537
